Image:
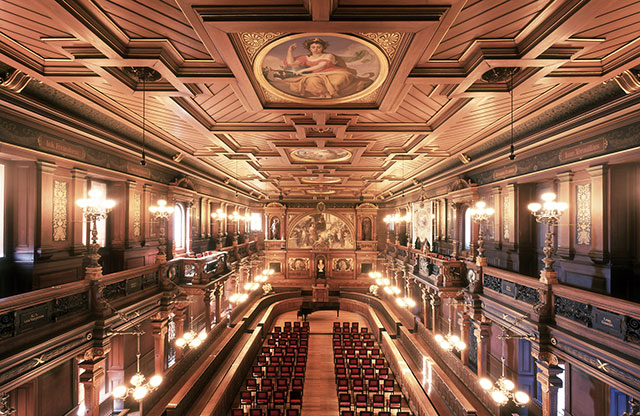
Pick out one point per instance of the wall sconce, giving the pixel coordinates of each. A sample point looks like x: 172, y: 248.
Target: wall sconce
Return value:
x: 161, y: 213
x: 95, y: 208
x: 548, y: 213
x: 481, y: 214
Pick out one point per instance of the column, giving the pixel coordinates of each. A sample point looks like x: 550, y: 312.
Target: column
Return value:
x: 78, y: 186
x: 482, y: 333
x: 45, y: 230
x: 465, y: 325
x: 206, y: 298
x: 91, y: 379
x: 599, y: 252
x: 435, y: 312
x: 217, y: 292
x: 496, y: 218
x: 179, y: 318
x: 565, y: 187
x: 550, y: 383
x: 426, y: 307
x: 159, y: 331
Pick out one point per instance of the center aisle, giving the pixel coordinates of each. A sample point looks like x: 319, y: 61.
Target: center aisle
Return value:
x: 320, y: 397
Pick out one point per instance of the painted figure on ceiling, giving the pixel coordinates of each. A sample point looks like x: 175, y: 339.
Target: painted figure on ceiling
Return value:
x: 320, y: 74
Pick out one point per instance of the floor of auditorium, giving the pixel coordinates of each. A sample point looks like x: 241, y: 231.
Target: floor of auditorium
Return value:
x: 319, y: 396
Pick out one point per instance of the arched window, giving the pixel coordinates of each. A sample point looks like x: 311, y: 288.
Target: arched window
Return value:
x: 179, y: 229
x: 467, y: 228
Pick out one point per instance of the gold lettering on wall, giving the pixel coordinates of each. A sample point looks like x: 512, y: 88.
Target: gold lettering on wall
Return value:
x: 586, y: 149
x: 61, y: 147
x: 137, y: 202
x: 583, y: 214
x: 59, y: 210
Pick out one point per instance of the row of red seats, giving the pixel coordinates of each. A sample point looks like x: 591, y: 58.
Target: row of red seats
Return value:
x: 277, y: 379
x: 269, y: 412
x: 377, y: 402
x: 370, y: 413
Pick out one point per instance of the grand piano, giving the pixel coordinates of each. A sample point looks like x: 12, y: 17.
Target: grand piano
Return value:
x: 309, y: 307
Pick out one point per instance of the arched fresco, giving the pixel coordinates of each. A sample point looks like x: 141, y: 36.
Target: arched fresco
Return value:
x: 321, y: 231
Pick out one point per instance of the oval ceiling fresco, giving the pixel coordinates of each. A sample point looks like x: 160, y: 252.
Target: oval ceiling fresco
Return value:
x: 320, y: 68
x: 324, y: 155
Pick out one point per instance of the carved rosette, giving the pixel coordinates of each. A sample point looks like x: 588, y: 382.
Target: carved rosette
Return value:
x: 253, y: 42
x: 387, y: 41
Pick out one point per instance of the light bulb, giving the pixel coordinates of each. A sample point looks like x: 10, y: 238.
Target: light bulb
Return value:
x: 461, y: 346
x: 386, y: 281
x: 388, y: 290
x: 153, y: 209
x: 137, y: 379
x: 499, y: 397
x: 180, y: 342
x: 455, y: 339
x: 439, y: 338
x: 490, y: 211
x: 196, y: 342
x: 247, y: 286
x: 548, y: 196
x: 534, y: 207
x: 521, y: 398
x: 119, y: 392
x: 155, y: 381
x: 562, y: 206
x: 95, y: 194
x: 395, y: 289
x: 485, y: 383
x: 379, y: 282
x: 481, y: 204
x: 202, y: 335
x: 139, y: 393
x: 187, y: 336
x: 445, y: 345
x: 508, y: 384
x: 410, y: 302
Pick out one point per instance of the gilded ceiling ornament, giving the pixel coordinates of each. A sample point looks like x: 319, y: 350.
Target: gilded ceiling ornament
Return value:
x: 16, y: 81
x: 59, y: 211
x: 387, y: 41
x: 253, y: 42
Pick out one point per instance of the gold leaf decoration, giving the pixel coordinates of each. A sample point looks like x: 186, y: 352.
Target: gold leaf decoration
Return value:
x: 583, y: 214
x: 60, y: 211
x: 387, y: 41
x: 253, y: 42
x: 137, y: 202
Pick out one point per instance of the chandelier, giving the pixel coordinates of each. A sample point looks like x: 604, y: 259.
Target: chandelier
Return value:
x: 218, y: 215
x: 503, y: 389
x: 450, y: 342
x: 140, y: 387
x: 191, y: 339
x: 161, y: 213
x: 397, y: 218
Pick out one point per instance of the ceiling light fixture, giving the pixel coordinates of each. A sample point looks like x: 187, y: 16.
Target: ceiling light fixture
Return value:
x: 143, y: 75
x: 512, y: 154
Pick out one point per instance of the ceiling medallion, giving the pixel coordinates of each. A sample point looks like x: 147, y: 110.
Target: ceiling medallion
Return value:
x: 324, y: 155
x: 347, y: 68
x: 315, y: 180
x: 500, y: 74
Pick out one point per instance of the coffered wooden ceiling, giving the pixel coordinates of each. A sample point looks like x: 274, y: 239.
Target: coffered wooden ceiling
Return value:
x: 430, y: 114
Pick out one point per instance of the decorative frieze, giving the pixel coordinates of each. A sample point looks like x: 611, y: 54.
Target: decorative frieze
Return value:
x: 574, y: 310
x: 583, y: 214
x: 60, y: 217
x: 492, y: 282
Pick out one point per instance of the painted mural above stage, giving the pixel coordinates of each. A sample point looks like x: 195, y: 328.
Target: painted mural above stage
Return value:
x: 320, y: 68
x: 321, y: 231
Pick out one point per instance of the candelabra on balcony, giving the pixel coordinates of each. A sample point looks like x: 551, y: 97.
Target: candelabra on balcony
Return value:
x: 95, y: 208
x: 481, y: 214
x: 548, y: 213
x: 161, y: 213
